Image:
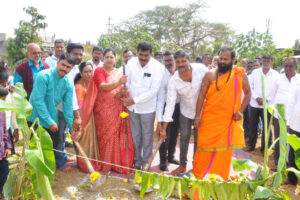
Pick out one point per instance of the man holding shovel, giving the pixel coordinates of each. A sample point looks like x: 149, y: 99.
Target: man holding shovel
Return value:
x: 144, y: 79
x: 185, y: 83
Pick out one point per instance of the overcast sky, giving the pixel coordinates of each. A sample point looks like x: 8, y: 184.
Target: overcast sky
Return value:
x: 85, y: 20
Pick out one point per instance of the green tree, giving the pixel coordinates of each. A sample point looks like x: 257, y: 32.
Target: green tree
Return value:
x: 172, y: 28
x: 253, y: 44
x: 27, y: 32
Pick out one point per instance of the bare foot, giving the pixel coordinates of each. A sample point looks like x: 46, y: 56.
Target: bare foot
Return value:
x: 178, y: 170
x: 67, y: 169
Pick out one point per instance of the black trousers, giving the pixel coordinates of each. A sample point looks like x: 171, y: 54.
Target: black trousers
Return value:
x: 4, y: 170
x: 255, y: 113
x: 167, y: 148
x: 54, y: 136
x: 276, y: 135
x: 291, y: 176
x: 246, y: 121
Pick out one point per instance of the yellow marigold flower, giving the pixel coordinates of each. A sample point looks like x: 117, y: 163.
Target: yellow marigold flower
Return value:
x: 125, y: 180
x: 124, y: 114
x: 94, y: 176
x: 214, y: 177
x: 73, y: 196
x: 139, y: 180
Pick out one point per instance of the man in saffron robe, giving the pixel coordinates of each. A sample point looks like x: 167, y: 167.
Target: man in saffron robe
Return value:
x: 220, y: 124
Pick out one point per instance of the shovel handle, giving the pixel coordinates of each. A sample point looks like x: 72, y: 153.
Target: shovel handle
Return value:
x: 153, y: 154
x: 87, y: 162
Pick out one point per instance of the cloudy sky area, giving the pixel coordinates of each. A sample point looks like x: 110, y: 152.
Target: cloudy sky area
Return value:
x: 85, y: 20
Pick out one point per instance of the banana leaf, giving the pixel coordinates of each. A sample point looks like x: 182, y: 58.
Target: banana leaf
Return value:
x: 281, y: 166
x: 262, y: 193
x: 243, y: 164
x: 4, y: 106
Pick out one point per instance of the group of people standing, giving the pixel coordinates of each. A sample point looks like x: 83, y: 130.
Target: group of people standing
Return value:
x: 281, y: 88
x: 207, y: 100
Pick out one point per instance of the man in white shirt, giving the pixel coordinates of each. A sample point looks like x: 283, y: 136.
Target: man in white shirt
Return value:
x: 59, y: 49
x: 293, y: 127
x: 185, y: 83
x: 167, y: 148
x: 97, y: 55
x: 127, y: 55
x: 284, y: 85
x: 144, y: 79
x: 256, y: 102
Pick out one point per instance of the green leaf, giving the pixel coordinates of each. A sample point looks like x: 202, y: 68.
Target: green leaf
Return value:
x: 156, y: 181
x: 34, y: 158
x: 243, y: 164
x: 4, y: 106
x: 297, y: 158
x: 179, y: 188
x: 9, y: 188
x: 136, y: 175
x: 281, y: 166
x: 144, y: 184
x: 262, y: 193
x: 292, y: 169
x: 171, y: 187
x: 23, y: 107
x: 48, y: 154
x: 258, y: 175
x: 294, y: 141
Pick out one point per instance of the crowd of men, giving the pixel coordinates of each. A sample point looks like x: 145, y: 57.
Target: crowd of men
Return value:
x: 173, y: 90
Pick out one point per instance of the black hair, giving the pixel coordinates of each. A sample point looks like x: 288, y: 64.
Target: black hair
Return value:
x: 4, y: 73
x: 206, y: 54
x: 3, y: 91
x: 158, y: 53
x: 144, y: 46
x: 97, y: 48
x: 198, y: 60
x: 72, y: 46
x: 294, y: 60
x: 267, y: 56
x: 58, y: 41
x: 168, y: 53
x: 181, y: 54
x: 109, y: 50
x: 226, y: 48
x: 257, y: 60
x: 68, y: 57
x: 48, y: 52
x: 81, y: 68
x: 232, y: 53
x: 127, y: 50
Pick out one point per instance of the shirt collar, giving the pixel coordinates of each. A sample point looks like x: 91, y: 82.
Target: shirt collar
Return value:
x: 54, y: 57
x: 32, y: 65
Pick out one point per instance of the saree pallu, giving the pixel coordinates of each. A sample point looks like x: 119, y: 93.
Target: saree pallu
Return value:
x: 88, y: 140
x: 219, y: 134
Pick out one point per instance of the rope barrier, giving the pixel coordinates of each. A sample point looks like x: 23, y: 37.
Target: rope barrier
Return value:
x: 56, y: 150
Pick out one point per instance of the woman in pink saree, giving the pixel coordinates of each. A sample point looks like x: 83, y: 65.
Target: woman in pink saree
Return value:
x: 103, y: 101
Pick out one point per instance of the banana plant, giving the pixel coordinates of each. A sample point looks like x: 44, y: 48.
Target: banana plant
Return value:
x: 34, y: 174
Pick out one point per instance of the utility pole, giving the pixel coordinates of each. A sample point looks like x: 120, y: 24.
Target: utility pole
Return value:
x: 109, y: 29
x: 268, y: 24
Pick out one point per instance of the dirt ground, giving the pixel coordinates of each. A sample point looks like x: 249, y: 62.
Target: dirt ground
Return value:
x: 76, y: 183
